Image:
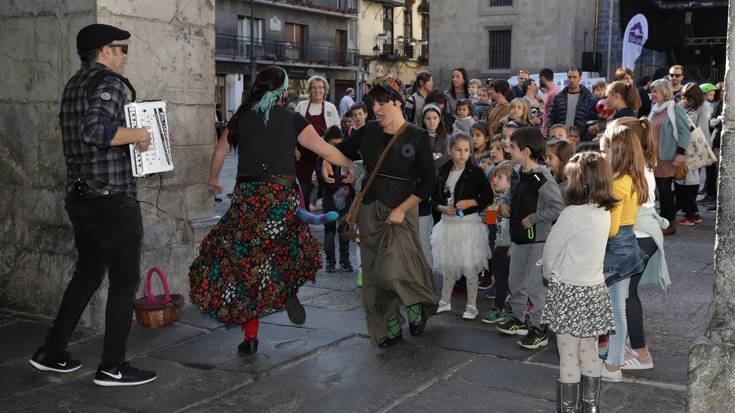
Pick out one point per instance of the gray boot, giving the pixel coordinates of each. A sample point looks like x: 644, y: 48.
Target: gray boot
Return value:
x: 590, y: 394
x: 567, y: 397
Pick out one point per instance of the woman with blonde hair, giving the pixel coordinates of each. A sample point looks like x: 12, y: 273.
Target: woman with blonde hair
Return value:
x: 670, y: 131
x: 321, y: 114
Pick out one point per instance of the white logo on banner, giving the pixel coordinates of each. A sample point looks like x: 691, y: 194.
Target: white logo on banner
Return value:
x: 636, y: 34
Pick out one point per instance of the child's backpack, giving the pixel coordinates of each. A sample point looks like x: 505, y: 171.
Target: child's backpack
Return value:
x: 523, y: 203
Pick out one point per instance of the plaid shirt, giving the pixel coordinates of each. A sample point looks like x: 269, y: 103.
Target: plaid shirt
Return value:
x: 87, y: 128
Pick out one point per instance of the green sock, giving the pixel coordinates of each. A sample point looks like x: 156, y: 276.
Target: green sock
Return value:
x: 394, y: 326
x: 415, y: 313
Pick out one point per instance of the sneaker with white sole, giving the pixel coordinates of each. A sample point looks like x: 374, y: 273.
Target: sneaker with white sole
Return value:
x: 610, y: 376
x: 535, y: 338
x: 470, y: 313
x: 443, y: 307
x: 55, y: 362
x: 635, y: 363
x: 123, y: 375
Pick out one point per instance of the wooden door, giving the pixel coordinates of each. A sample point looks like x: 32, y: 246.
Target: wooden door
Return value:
x: 341, y: 47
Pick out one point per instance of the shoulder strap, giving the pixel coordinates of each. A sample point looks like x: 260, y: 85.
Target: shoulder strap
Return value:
x: 101, y: 75
x: 382, y: 157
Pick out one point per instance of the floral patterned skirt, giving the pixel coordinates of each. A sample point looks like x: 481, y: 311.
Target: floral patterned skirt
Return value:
x: 257, y: 255
x: 577, y: 310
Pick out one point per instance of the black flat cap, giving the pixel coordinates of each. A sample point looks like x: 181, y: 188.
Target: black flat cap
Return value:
x: 95, y: 36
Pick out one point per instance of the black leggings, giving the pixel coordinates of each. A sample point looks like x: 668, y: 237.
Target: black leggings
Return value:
x: 633, y: 307
x: 666, y: 197
x: 686, y: 199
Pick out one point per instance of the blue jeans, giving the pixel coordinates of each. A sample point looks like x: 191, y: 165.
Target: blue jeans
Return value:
x: 616, y: 344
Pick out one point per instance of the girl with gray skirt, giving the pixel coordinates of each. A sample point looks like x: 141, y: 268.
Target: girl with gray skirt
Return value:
x: 578, y: 307
x: 395, y: 270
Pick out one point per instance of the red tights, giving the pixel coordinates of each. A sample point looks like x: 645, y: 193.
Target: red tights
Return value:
x: 251, y: 329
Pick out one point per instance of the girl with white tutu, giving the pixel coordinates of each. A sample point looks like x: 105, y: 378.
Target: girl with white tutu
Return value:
x: 459, y: 241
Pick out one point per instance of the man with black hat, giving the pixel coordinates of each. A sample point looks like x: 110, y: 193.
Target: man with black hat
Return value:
x: 102, y: 206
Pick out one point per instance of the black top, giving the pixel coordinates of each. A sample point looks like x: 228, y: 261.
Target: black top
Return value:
x: 472, y: 184
x: 624, y: 112
x: 268, y: 150
x: 408, y: 167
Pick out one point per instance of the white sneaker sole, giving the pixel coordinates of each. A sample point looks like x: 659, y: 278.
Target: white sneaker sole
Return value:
x: 46, y: 368
x: 534, y: 346
x: 106, y: 383
x: 513, y: 333
x: 637, y: 366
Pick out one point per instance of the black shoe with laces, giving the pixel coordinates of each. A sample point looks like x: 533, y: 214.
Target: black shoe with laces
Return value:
x: 122, y: 375
x: 346, y: 268
x: 390, y: 341
x: 535, y: 338
x: 57, y: 362
x: 513, y: 327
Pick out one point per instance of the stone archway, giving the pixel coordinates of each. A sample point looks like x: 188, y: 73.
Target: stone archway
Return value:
x: 711, y: 373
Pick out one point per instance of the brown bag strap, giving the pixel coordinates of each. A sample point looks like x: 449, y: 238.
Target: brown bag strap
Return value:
x: 381, y: 158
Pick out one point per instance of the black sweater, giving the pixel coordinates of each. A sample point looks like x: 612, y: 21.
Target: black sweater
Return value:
x: 408, y: 167
x: 472, y: 184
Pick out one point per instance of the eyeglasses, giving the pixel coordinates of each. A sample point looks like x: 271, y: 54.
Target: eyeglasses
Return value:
x: 676, y: 74
x: 123, y: 47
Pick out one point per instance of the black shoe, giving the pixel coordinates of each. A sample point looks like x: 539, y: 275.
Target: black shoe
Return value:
x: 390, y: 342
x: 122, y: 375
x: 295, y: 310
x: 248, y: 347
x: 346, y: 268
x: 59, y: 362
x: 513, y: 327
x: 418, y: 328
x: 534, y: 339
x: 712, y: 208
x: 329, y: 268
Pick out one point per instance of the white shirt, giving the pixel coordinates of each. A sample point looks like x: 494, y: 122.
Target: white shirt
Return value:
x: 575, y: 248
x: 452, y: 182
x: 651, y: 203
x: 345, y: 104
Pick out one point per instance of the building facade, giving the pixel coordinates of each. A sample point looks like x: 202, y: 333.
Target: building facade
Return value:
x: 393, y: 38
x: 306, y: 37
x: 494, y: 38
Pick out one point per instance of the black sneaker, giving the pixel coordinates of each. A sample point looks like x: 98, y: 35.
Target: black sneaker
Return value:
x: 123, y: 375
x: 329, y: 268
x: 56, y: 362
x: 346, y: 268
x: 513, y: 327
x: 534, y: 339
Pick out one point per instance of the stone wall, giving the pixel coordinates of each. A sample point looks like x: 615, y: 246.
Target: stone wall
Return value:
x: 171, y: 58
x: 544, y: 33
x: 711, y: 381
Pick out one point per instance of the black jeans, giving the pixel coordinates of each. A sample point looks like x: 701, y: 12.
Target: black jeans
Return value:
x: 710, y: 183
x: 330, y: 230
x: 633, y: 307
x: 107, y: 232
x: 686, y: 199
x: 666, y: 198
x: 501, y: 271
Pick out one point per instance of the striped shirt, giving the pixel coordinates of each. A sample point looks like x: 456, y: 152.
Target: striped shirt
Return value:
x: 88, y: 124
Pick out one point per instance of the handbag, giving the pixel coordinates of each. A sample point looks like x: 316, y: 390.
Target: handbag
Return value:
x: 352, y: 214
x: 158, y: 310
x: 699, y: 153
x: 680, y: 172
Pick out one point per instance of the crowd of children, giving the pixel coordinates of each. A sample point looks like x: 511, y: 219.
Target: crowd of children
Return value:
x: 519, y: 196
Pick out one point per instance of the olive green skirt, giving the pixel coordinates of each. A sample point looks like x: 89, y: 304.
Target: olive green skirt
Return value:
x: 394, y: 267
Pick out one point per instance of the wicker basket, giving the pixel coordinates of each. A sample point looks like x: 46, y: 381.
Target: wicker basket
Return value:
x: 158, y: 310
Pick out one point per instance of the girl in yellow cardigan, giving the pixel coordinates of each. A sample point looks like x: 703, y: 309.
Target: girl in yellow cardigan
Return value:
x: 623, y: 256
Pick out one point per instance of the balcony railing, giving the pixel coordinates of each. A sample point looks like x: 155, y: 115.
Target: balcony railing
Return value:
x: 341, y: 6
x: 405, y: 50
x: 242, y: 48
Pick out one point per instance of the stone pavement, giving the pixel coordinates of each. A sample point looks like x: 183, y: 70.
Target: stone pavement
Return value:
x: 329, y: 365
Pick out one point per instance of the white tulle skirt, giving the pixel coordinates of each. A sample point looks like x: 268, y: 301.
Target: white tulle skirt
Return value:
x: 459, y: 246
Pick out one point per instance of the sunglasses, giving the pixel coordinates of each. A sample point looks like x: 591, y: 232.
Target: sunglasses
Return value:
x: 123, y: 47
x: 675, y: 74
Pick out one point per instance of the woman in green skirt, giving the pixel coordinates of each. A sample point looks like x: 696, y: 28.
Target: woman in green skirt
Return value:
x: 394, y: 267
